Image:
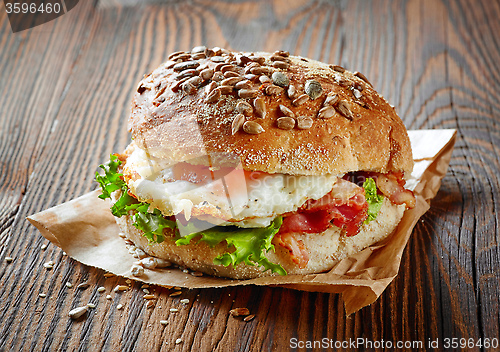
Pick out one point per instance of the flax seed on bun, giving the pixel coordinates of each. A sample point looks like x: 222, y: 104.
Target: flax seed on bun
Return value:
x: 275, y: 113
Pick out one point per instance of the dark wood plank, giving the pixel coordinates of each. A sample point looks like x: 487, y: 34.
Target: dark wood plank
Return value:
x: 64, y: 97
x: 35, y: 68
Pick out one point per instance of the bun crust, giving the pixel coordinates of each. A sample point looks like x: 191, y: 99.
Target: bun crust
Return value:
x: 325, y: 249
x: 355, y: 129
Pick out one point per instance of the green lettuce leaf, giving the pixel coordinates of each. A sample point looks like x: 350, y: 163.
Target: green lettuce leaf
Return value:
x: 374, y: 199
x: 152, y: 224
x: 112, y: 181
x: 250, y: 243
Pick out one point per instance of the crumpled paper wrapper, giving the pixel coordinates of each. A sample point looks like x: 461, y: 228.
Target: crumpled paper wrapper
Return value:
x: 85, y: 229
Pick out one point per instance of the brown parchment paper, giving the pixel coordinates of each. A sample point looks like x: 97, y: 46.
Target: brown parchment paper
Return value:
x: 85, y: 229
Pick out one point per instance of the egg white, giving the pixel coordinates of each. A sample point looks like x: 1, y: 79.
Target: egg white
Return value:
x: 254, y: 203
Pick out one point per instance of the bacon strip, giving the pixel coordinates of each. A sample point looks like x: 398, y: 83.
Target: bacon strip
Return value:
x: 351, y: 215
x: 316, y: 216
x: 296, y: 247
x: 391, y: 185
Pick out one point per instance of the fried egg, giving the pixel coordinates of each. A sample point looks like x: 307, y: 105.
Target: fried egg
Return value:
x: 229, y: 196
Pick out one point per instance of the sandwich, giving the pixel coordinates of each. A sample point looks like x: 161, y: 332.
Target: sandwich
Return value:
x: 249, y: 164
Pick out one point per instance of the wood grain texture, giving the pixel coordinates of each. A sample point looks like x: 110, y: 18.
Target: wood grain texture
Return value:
x: 65, y: 89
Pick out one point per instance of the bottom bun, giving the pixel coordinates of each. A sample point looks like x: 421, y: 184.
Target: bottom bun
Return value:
x: 325, y: 249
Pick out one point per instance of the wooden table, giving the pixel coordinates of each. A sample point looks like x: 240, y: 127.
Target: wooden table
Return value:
x: 64, y: 99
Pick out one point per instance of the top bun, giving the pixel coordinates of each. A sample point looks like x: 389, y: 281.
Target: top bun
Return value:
x: 276, y: 113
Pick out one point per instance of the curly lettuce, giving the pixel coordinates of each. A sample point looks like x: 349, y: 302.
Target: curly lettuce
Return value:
x: 250, y: 244
x: 112, y: 181
x: 373, y: 199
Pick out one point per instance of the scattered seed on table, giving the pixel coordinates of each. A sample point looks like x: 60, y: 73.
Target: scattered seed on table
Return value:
x: 43, y: 295
x: 173, y: 310
x: 185, y: 301
x: 120, y: 288
x: 69, y: 285
x: 236, y: 312
x: 178, y: 293
x: 120, y: 306
x: 9, y: 259
x: 77, y: 312
x: 178, y: 341
x: 83, y: 286
x: 148, y: 296
x: 109, y: 274
x: 109, y: 297
x: 91, y: 305
x: 43, y: 247
x: 163, y: 322
x: 101, y: 289
x: 249, y: 317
